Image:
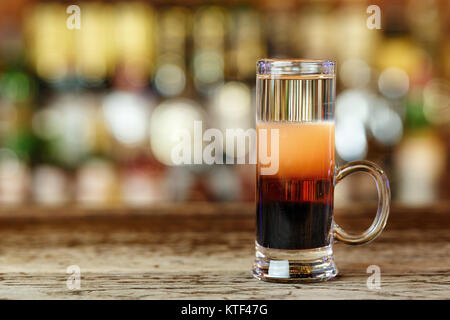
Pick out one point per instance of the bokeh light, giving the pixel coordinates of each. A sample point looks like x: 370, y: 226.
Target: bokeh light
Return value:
x: 351, y: 142
x: 352, y: 104
x: 393, y: 83
x: 436, y: 98
x: 170, y: 80
x: 127, y: 116
x: 385, y: 124
x: 168, y: 120
x: 355, y: 73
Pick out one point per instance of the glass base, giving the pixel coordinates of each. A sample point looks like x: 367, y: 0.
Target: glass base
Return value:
x: 309, y: 265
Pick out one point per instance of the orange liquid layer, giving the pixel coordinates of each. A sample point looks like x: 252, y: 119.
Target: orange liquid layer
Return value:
x: 306, y: 150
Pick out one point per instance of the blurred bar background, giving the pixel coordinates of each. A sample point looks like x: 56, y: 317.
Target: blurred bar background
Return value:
x: 87, y: 116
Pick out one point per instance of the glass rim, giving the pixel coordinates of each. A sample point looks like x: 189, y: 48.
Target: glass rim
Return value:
x: 295, y: 67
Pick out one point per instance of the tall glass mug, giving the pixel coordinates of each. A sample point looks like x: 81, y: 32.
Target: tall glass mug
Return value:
x: 296, y: 173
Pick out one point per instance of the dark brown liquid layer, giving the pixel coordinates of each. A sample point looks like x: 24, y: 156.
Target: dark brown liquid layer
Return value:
x: 294, y: 213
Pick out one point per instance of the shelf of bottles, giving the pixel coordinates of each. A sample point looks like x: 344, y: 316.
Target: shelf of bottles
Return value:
x: 88, y: 115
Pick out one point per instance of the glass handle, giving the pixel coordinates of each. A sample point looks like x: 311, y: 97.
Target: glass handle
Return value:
x: 384, y: 199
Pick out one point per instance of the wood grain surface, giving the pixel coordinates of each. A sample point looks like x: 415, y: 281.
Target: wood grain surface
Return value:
x: 205, y: 251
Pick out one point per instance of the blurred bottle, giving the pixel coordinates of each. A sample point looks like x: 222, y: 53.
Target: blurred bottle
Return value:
x: 49, y: 43
x: 425, y: 22
x: 97, y: 184
x: 19, y: 147
x: 14, y: 179
x: 94, y: 54
x: 143, y: 182
x: 281, y: 29
x: 50, y: 186
x: 350, y: 38
x: 247, y: 43
x: 174, y: 26
x: 135, y: 48
x: 67, y: 123
x: 313, y: 38
x: 208, y: 61
x: 420, y: 158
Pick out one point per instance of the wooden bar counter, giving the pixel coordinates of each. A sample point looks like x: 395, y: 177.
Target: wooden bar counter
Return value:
x: 205, y: 251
